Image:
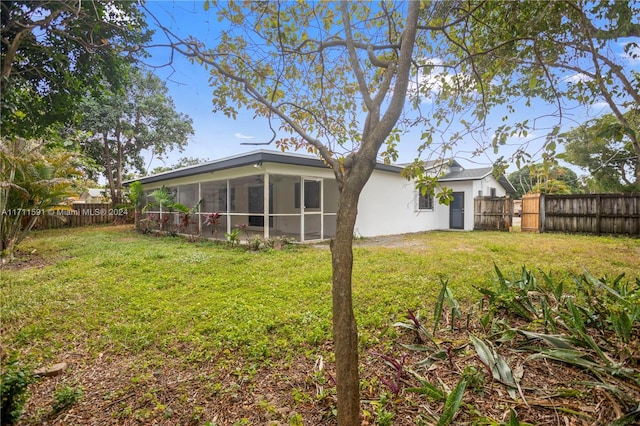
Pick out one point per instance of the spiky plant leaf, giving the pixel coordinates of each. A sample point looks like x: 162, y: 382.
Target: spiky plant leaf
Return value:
x: 452, y: 404
x: 499, y: 368
x: 439, y: 304
x: 558, y: 341
x: 430, y: 390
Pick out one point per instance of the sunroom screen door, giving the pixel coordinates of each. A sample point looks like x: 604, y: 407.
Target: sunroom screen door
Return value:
x: 311, y: 209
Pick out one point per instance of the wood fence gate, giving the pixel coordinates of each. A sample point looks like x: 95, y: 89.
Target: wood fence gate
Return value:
x: 492, y: 213
x: 617, y: 214
x: 530, y: 213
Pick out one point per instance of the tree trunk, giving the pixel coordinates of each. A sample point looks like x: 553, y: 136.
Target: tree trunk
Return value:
x: 118, y: 200
x: 345, y: 330
x: 108, y: 166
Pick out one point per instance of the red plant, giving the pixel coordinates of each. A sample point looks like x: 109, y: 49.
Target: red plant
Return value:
x: 213, y: 219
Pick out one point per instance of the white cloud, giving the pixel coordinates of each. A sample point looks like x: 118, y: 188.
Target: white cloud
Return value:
x: 578, y: 77
x: 241, y: 136
x: 432, y: 78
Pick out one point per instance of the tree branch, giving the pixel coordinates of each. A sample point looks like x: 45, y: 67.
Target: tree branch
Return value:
x: 353, y: 58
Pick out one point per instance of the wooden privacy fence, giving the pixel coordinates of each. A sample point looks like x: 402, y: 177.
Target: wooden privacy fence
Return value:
x: 586, y: 213
x: 82, y: 214
x: 492, y: 213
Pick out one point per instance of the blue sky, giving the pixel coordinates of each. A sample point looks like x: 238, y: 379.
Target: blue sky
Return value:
x: 217, y: 136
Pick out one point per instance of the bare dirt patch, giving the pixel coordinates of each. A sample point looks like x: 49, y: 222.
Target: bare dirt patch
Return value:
x: 25, y: 260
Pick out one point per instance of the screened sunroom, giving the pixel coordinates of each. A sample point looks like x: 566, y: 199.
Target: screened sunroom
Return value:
x: 265, y: 203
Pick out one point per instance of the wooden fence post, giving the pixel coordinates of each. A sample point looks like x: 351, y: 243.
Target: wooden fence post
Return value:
x: 542, y: 215
x: 598, y: 213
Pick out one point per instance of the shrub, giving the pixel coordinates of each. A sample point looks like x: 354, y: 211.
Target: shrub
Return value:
x: 13, y: 392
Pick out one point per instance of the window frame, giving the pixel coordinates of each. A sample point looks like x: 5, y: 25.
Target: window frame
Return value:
x: 428, y: 200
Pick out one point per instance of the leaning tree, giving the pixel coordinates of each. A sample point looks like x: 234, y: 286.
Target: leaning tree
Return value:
x: 342, y: 80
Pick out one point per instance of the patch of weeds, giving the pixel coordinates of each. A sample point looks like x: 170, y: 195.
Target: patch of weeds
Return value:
x: 296, y: 420
x: 233, y: 237
x: 594, y: 330
x: 256, y: 243
x: 143, y: 414
x: 65, y: 397
x: 495, y: 248
x: 194, y: 258
x: 168, y: 412
x: 197, y: 414
x: 268, y: 408
x: 13, y: 391
x: 383, y: 416
x: 301, y: 397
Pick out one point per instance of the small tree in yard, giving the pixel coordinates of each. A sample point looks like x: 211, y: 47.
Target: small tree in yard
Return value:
x: 136, y: 195
x: 343, y: 80
x: 32, y: 180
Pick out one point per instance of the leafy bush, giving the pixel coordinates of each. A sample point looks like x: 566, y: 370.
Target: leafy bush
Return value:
x: 13, y: 391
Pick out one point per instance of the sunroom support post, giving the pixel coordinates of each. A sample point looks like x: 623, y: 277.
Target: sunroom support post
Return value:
x: 267, y: 207
x: 302, y: 201
x: 228, y: 231
x: 322, y: 209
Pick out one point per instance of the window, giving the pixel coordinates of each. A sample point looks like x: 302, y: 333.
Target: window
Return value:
x: 425, y: 202
x: 493, y: 192
x: 311, y: 194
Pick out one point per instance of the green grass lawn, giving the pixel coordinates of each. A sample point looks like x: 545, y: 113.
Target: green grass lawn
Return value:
x: 105, y: 292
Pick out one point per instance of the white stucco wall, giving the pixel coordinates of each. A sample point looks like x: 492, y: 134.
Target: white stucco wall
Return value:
x: 389, y: 205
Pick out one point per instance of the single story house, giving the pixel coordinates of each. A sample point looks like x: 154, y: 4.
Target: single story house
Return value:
x: 271, y: 194
x: 93, y: 196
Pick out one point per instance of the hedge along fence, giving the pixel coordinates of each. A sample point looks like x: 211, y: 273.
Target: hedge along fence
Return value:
x: 617, y: 214
x: 82, y: 214
x: 492, y: 213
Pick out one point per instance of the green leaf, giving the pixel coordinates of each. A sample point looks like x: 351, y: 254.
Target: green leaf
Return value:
x: 513, y: 418
x: 430, y: 390
x: 452, y: 404
x: 441, y: 355
x: 496, y: 364
x: 557, y: 341
x: 439, y: 302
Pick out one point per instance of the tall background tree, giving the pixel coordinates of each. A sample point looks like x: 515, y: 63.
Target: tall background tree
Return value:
x: 124, y: 122
x: 545, y: 178
x: 53, y: 52
x: 182, y: 162
x: 604, y: 149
